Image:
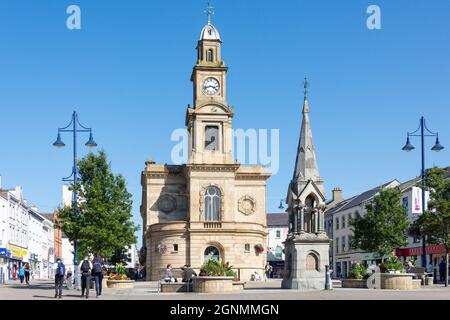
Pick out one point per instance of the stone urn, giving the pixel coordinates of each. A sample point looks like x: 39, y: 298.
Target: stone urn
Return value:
x: 120, y: 284
x: 206, y: 284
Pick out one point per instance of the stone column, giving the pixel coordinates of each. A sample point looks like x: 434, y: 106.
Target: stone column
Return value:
x: 316, y: 221
x: 322, y: 221
x: 295, y: 213
x: 302, y: 219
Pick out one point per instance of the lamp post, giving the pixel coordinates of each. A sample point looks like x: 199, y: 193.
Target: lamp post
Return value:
x: 409, y: 147
x: 74, y: 127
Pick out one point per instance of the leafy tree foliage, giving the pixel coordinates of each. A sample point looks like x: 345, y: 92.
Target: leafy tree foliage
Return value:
x: 435, y: 223
x: 103, y: 222
x: 384, y: 227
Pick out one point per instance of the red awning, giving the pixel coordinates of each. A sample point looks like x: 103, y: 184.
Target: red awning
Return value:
x: 417, y: 251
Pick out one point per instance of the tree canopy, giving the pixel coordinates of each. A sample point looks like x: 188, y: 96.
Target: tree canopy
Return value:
x: 103, y: 223
x: 384, y: 226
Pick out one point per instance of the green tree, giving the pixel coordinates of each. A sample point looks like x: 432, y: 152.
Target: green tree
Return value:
x: 435, y: 222
x: 103, y: 224
x: 384, y: 227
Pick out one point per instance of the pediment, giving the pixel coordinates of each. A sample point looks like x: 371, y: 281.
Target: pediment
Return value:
x: 213, y: 108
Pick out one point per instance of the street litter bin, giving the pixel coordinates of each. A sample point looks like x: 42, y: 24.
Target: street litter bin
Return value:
x: 429, y: 281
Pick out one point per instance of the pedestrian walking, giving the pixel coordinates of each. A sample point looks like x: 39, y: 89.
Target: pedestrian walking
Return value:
x: 59, y: 277
x: 14, y: 273
x: 85, y: 271
x: 97, y: 273
x: 27, y: 273
x: 22, y: 273
x: 442, y: 270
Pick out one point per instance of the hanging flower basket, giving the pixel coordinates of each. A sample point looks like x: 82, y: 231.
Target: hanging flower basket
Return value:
x: 259, y: 248
x: 162, y: 248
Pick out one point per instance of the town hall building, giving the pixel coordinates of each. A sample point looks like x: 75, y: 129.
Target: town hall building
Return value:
x: 211, y: 207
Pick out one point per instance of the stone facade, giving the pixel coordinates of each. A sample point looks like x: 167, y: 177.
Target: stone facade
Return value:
x: 212, y: 204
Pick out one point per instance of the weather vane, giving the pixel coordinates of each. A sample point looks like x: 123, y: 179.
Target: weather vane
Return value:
x: 209, y: 11
x: 305, y: 87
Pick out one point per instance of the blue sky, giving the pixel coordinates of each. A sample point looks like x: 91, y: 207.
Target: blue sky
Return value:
x: 127, y: 74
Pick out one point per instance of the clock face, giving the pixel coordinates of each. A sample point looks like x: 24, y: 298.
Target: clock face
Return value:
x: 210, y: 86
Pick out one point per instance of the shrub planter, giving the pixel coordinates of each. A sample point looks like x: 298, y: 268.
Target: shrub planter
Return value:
x: 212, y: 284
x: 120, y: 284
x: 396, y: 281
x: 354, y: 283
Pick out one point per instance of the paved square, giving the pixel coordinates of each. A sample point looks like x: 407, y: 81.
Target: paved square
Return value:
x: 44, y: 290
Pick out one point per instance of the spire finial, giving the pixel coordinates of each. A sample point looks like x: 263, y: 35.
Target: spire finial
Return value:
x: 305, y: 88
x: 209, y: 11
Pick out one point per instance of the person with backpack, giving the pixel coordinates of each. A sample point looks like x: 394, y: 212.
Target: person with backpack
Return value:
x: 85, y: 271
x: 21, y: 273
x: 97, y: 272
x: 60, y: 272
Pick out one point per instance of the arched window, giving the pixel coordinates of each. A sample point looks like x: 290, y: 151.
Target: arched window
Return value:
x: 212, y: 204
x: 211, y: 253
x: 209, y: 55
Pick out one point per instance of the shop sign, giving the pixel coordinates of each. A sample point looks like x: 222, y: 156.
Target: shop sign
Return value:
x: 17, y: 252
x: 5, y: 252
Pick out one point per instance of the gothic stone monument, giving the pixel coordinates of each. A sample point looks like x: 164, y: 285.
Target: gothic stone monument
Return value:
x: 307, y: 245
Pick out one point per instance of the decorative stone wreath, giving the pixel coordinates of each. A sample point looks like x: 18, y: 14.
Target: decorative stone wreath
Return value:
x: 247, y: 205
x: 167, y: 203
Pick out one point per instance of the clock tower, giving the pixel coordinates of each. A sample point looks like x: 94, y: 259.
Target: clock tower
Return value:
x: 212, y: 207
x: 209, y: 120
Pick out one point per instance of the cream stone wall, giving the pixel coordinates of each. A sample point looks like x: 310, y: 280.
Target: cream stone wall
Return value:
x: 173, y: 197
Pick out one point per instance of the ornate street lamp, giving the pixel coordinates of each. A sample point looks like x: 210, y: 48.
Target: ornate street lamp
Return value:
x: 409, y: 147
x: 74, y: 127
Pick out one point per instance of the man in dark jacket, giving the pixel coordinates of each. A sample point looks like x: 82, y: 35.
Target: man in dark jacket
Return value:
x: 442, y: 270
x: 60, y: 272
x: 188, y: 273
x: 85, y: 271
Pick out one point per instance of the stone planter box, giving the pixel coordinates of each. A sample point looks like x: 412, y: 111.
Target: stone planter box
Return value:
x: 396, y: 281
x: 212, y: 284
x: 354, y: 283
x: 120, y: 284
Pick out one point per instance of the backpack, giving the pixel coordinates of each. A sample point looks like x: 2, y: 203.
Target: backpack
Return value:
x: 85, y: 267
x: 60, y: 269
x: 97, y: 267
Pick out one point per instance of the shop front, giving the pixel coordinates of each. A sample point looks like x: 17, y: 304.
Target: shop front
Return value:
x: 434, y: 254
x: 5, y: 255
x: 18, y: 256
x: 35, y: 265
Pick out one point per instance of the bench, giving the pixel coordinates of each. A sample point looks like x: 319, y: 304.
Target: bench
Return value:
x: 419, y: 273
x: 175, y: 287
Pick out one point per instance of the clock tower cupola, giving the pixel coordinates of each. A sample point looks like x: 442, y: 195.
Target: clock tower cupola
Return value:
x: 209, y: 119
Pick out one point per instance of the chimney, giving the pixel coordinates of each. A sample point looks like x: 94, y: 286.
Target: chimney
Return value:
x: 337, y: 195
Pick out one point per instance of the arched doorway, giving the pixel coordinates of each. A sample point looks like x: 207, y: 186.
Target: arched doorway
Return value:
x: 211, y: 253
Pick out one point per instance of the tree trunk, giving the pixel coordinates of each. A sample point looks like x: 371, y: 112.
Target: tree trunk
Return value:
x: 446, y: 268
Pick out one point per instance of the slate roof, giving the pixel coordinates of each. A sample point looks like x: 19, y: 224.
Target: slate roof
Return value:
x: 277, y: 219
x: 358, y: 199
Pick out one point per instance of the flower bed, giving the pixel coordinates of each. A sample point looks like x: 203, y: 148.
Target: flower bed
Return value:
x: 118, y: 279
x: 215, y: 276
